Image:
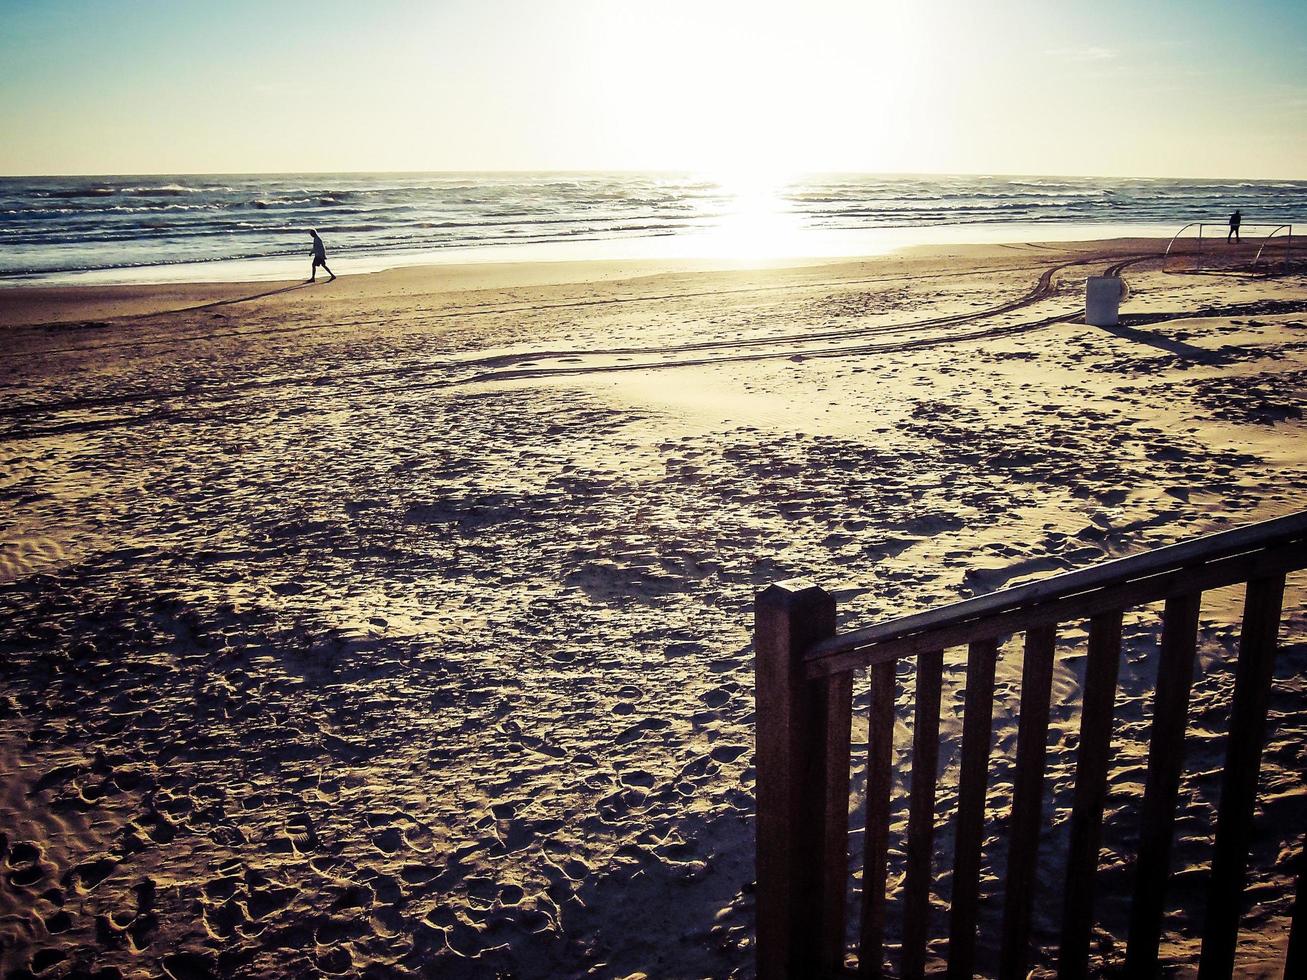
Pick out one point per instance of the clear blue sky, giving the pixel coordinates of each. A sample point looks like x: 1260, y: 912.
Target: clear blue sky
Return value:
x: 1170, y: 88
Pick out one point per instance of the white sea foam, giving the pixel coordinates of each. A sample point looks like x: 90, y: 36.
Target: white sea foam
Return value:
x: 115, y: 227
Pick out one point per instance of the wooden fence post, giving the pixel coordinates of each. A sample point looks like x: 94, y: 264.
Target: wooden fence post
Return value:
x: 1097, y: 703
x: 1254, y: 671
x: 1175, y: 675
x: 921, y: 816
x: 1027, y: 801
x: 880, y: 789
x: 973, y: 783
x: 802, y: 762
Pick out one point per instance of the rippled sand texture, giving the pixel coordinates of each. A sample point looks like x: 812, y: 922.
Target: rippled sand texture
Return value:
x: 400, y: 626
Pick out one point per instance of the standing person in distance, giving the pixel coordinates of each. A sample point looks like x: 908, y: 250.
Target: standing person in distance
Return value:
x: 319, y: 258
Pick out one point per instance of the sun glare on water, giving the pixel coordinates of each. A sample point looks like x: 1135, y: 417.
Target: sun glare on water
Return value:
x: 756, y: 219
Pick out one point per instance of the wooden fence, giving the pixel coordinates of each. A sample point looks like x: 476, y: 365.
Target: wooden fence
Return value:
x: 804, y: 681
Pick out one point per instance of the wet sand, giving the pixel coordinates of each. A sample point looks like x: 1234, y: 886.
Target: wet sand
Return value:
x: 399, y: 626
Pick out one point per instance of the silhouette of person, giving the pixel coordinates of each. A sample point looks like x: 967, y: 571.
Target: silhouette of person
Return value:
x: 319, y: 258
x: 1235, y: 220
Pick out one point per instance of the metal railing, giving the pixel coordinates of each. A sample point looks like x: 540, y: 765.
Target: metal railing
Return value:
x: 1200, y: 225
x: 1288, y: 243
x: 804, y: 678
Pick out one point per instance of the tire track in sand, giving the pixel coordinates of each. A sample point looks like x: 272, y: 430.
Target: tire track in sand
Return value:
x: 1042, y: 289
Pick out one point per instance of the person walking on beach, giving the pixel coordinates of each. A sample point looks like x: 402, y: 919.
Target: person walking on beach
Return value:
x: 319, y: 258
x: 1235, y: 220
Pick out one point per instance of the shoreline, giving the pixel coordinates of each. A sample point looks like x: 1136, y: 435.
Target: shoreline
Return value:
x: 60, y: 303
x: 773, y: 243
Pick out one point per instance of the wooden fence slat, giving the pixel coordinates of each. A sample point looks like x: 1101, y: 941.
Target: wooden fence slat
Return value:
x: 1027, y: 801
x: 1102, y: 665
x: 837, y: 709
x: 921, y: 815
x: 977, y: 730
x: 1252, y: 690
x: 880, y: 783
x: 1175, y: 672
x: 802, y: 735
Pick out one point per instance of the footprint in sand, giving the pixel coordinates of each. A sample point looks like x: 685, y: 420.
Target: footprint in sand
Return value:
x: 573, y: 869
x: 46, y: 959
x: 400, y: 831
x: 728, y: 753
x: 335, y: 962
x: 618, y: 804
x: 389, y: 841
x: 88, y: 875
x: 417, y: 875
x: 109, y: 934
x: 155, y: 826
x: 333, y: 931
x: 57, y: 922
x: 684, y: 648
x: 189, y: 966
x: 507, y: 809
x: 299, y: 831
x: 228, y: 835
x: 387, y: 922
x: 385, y: 888
x: 715, y: 698
x: 637, y: 731
x: 175, y: 808
x: 697, y: 767
x: 327, y: 866
x: 482, y: 892
x: 131, y: 927
x: 542, y: 745
x: 221, y: 921
x: 352, y: 896
x: 228, y: 880
x: 143, y: 922
x: 638, y: 778
x: 26, y: 865
x: 56, y: 776
x: 263, y: 902
x: 91, y: 793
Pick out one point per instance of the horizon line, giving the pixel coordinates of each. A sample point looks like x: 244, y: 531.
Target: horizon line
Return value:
x: 702, y: 172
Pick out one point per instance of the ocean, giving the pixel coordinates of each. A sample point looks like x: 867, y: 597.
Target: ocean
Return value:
x: 119, y: 229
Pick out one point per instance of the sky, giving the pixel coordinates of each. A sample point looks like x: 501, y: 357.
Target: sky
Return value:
x: 1113, y: 88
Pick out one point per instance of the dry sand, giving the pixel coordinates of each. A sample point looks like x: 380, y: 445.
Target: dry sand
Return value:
x: 400, y: 625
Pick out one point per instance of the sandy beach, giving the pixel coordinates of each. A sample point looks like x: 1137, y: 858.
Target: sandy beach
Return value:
x: 400, y: 626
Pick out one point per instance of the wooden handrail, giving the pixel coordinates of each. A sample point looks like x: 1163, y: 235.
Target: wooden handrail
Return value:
x: 804, y: 680
x: 834, y: 653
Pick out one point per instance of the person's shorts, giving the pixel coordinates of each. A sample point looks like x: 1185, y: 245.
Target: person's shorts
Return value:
x: 319, y: 261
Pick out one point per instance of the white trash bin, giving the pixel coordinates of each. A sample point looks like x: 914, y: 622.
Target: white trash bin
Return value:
x: 1103, y: 295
